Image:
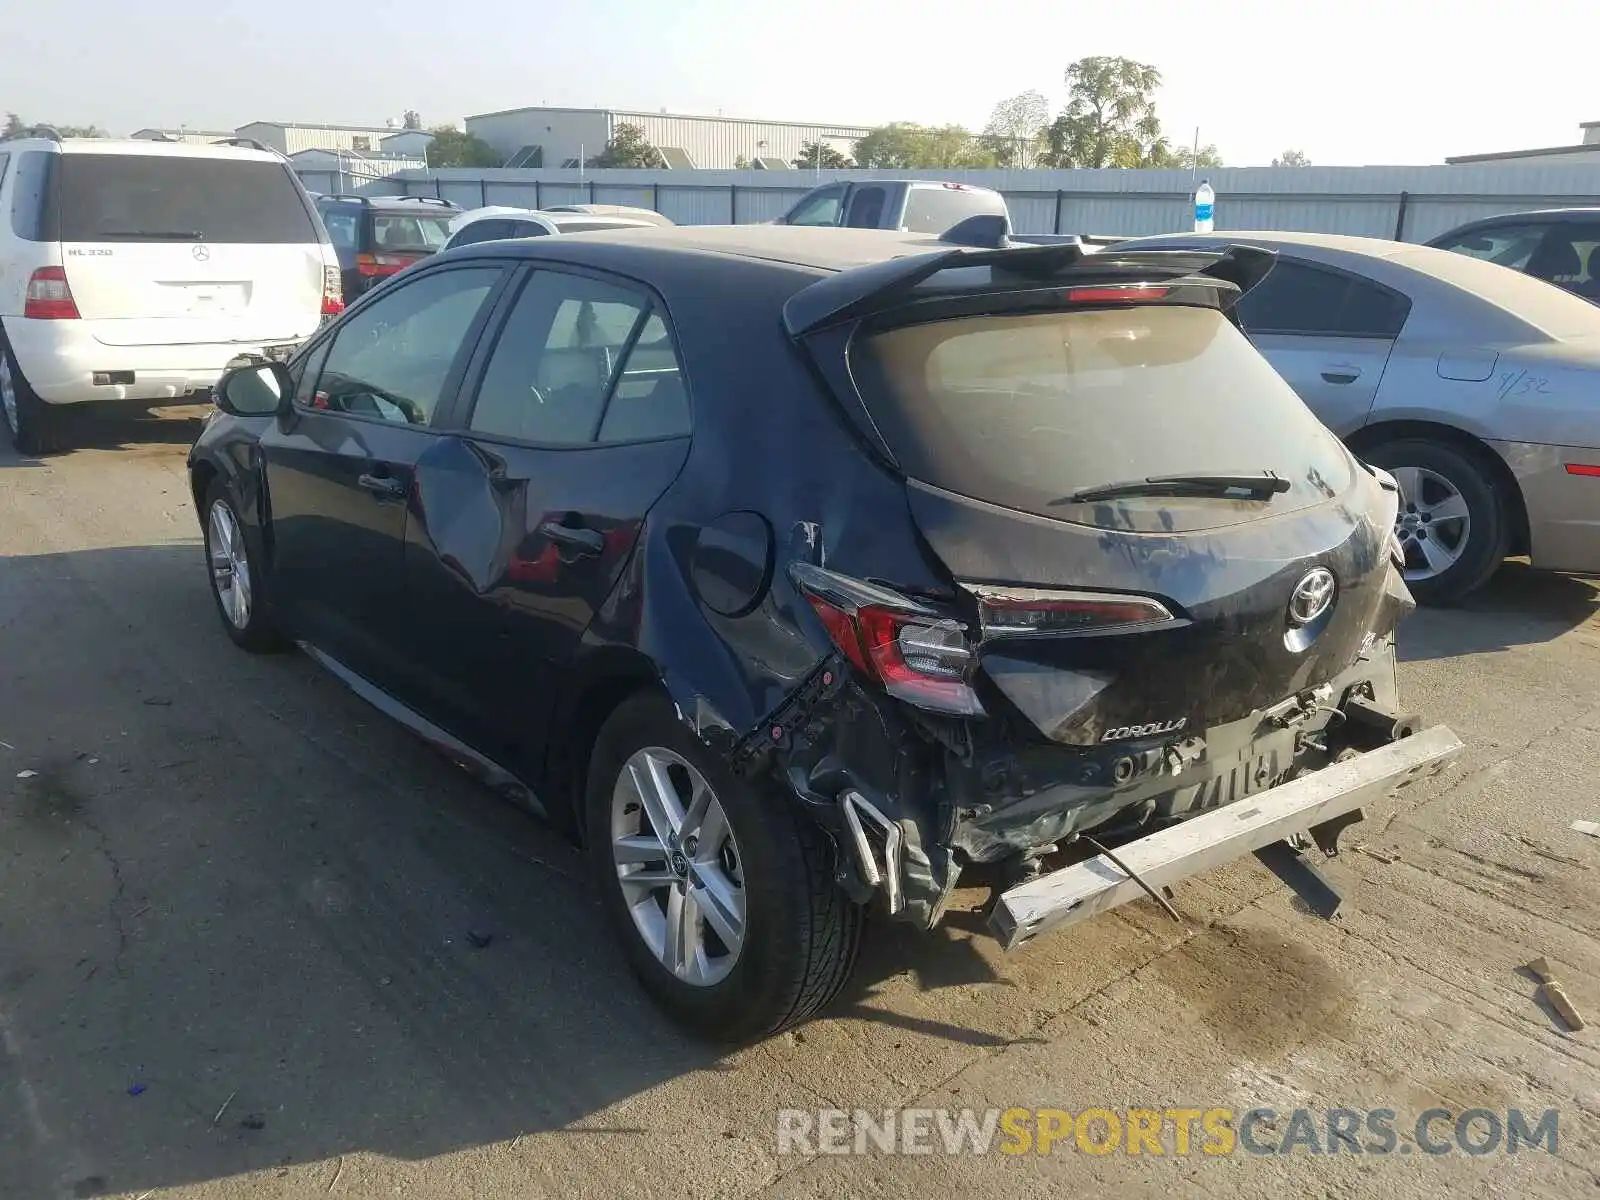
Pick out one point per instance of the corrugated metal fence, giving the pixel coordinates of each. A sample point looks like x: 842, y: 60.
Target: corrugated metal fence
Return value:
x: 1411, y: 203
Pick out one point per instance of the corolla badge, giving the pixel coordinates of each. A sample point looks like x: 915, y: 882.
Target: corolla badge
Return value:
x: 1312, y: 596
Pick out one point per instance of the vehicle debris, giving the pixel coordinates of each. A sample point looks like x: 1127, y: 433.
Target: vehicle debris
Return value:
x: 27, y: 774
x: 1554, y: 994
x: 1592, y: 828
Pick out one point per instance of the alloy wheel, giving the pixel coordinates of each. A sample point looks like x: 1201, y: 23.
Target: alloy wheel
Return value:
x: 679, y: 866
x: 230, y: 566
x: 1433, y: 525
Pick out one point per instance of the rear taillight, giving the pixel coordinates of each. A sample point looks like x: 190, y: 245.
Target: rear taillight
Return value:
x: 1027, y: 612
x: 332, y: 292
x: 912, y: 652
x: 49, y: 298
x: 378, y: 266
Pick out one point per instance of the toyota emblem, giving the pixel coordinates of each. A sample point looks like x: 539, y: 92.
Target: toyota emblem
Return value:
x: 201, y: 253
x: 1312, y: 596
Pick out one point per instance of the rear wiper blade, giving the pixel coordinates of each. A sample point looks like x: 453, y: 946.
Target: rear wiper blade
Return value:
x: 1228, y: 486
x: 174, y: 235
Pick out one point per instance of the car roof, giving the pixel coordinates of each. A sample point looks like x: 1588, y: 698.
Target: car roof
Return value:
x: 1589, y: 213
x: 408, y: 204
x: 812, y: 248
x: 1505, y: 305
x: 558, y: 219
x: 140, y: 148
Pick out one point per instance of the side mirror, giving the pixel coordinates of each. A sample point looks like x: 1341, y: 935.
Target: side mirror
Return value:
x: 256, y: 390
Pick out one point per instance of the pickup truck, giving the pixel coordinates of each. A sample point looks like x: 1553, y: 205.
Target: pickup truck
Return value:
x: 912, y: 206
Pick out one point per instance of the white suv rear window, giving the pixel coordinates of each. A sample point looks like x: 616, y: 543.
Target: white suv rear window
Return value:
x: 162, y: 198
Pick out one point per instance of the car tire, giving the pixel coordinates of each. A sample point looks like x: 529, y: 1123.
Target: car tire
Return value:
x: 235, y: 570
x: 1453, y: 524
x: 31, y: 424
x: 798, y: 932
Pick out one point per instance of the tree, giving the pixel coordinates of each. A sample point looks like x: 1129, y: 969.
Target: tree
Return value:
x: 15, y: 125
x: 1110, y: 119
x: 452, y: 148
x: 904, y: 145
x: 820, y: 156
x: 1292, y: 158
x: 628, y: 147
x: 412, y: 119
x: 1161, y: 154
x: 1015, y: 132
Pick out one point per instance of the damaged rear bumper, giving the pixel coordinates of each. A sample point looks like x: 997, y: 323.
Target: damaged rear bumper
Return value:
x: 1214, y: 838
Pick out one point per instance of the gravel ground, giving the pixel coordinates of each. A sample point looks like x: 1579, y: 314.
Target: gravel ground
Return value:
x: 234, y: 908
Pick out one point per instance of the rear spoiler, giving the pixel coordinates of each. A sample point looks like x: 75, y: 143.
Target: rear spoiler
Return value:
x: 850, y: 295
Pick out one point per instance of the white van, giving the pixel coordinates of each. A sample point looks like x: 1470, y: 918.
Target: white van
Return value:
x: 135, y: 270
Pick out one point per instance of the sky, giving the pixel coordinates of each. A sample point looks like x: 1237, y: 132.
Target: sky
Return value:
x: 1349, y: 83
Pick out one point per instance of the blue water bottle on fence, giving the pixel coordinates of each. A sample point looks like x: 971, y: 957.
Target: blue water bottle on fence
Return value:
x: 1205, y: 200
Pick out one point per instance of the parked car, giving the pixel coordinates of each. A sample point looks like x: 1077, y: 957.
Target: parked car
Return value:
x: 916, y: 206
x: 136, y: 270
x: 1472, y: 385
x: 492, y: 224
x: 377, y: 237
x: 647, y: 216
x: 1559, y: 245
x: 799, y: 569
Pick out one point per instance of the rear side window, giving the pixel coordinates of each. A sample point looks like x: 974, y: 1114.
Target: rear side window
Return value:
x: 1025, y: 410
x: 866, y: 207
x: 343, y: 223
x: 32, y: 213
x: 938, y: 209
x: 1296, y: 298
x: 423, y: 235
x: 157, y: 198
x: 581, y: 360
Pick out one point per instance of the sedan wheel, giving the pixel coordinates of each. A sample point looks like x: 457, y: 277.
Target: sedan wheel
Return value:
x: 1452, y: 525
x: 230, y: 564
x: 679, y: 866
x: 1433, y: 524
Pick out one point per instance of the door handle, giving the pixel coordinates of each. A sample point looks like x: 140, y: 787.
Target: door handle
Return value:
x: 1342, y: 374
x: 385, y: 487
x: 575, y: 538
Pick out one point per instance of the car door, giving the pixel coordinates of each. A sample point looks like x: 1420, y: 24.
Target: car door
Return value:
x: 577, y: 421
x: 339, y: 468
x: 1329, y: 333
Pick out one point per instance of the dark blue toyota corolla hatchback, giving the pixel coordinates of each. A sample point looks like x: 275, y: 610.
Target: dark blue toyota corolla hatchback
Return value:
x: 797, y: 571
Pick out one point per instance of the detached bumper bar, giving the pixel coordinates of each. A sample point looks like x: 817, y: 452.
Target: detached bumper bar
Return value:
x: 1160, y: 859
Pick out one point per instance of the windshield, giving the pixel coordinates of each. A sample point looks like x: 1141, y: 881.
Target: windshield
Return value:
x: 159, y: 198
x: 414, y: 234
x: 1025, y: 411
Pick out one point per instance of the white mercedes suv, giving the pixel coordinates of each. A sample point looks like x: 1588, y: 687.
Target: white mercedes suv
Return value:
x: 137, y: 270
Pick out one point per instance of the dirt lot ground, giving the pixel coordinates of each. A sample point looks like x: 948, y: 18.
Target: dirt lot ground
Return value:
x: 234, y: 906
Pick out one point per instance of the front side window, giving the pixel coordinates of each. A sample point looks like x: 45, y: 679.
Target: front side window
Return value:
x: 819, y: 208
x: 866, y: 207
x: 391, y: 358
x: 580, y: 360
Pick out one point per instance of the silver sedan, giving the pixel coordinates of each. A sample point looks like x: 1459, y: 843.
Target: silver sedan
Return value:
x: 1477, y: 387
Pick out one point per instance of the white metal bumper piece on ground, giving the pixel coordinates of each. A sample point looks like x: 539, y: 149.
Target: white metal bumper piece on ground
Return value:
x: 1200, y: 843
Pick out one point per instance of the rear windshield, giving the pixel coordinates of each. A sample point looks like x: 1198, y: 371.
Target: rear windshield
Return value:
x: 157, y: 198
x: 422, y: 234
x: 1025, y: 410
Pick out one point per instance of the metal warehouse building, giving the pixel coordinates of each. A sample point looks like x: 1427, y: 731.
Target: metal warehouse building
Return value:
x: 562, y: 137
